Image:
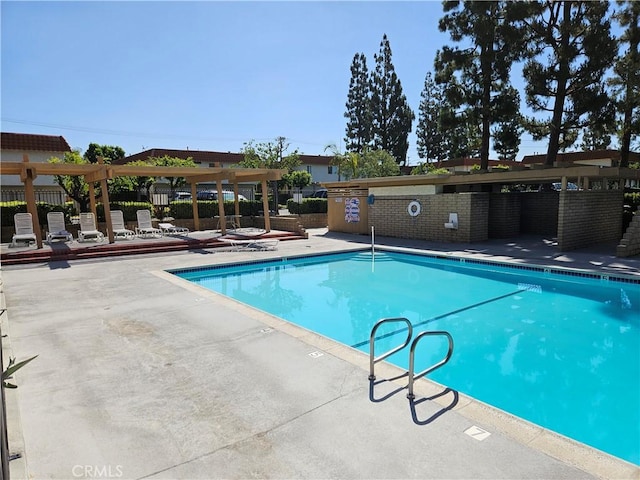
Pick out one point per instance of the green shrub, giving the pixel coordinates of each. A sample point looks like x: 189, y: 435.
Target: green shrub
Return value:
x: 209, y: 208
x: 308, y: 205
x: 129, y: 210
x: 632, y: 199
x: 9, y: 209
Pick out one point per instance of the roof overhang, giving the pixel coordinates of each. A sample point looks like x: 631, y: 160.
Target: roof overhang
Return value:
x: 535, y: 175
x: 95, y: 172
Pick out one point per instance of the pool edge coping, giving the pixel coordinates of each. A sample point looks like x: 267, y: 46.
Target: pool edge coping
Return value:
x: 571, y: 452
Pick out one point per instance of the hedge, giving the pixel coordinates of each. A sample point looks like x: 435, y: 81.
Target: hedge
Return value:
x: 209, y: 208
x: 9, y: 209
x: 178, y: 209
x: 308, y: 205
x: 632, y: 199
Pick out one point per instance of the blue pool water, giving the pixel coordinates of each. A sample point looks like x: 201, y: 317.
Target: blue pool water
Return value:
x: 560, y: 350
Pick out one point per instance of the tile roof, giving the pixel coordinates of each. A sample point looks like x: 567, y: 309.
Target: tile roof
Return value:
x: 205, y: 157
x: 470, y: 162
x: 569, y: 157
x: 31, y: 142
x: 198, y: 156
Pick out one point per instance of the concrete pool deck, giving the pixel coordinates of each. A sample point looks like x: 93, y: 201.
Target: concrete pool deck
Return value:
x: 142, y: 375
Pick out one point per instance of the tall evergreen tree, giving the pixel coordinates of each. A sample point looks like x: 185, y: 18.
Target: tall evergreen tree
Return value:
x: 431, y: 143
x: 460, y: 126
x: 574, y: 39
x: 390, y: 111
x: 626, y: 80
x: 358, y: 114
x: 596, y: 137
x: 462, y: 137
x: 507, y: 134
x: 478, y: 76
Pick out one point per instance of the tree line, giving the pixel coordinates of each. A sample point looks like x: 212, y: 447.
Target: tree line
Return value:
x: 256, y: 155
x: 581, y: 83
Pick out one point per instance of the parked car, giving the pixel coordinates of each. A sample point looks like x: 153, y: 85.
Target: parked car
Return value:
x: 557, y: 186
x: 181, y: 196
x: 213, y: 195
x: 322, y: 193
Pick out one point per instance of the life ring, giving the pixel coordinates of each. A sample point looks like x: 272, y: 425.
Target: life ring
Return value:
x: 414, y: 208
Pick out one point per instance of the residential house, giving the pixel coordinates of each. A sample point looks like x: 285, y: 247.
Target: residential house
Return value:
x: 465, y: 164
x: 38, y: 148
x: 601, y: 158
x: 318, y: 166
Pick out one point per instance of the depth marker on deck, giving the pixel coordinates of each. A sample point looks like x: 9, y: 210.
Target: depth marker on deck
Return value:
x: 477, y: 433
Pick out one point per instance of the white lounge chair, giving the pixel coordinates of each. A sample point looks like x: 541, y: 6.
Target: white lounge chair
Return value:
x: 145, y: 228
x: 24, y: 230
x: 171, y: 229
x: 88, y: 229
x: 119, y: 228
x: 257, y: 244
x: 57, y: 230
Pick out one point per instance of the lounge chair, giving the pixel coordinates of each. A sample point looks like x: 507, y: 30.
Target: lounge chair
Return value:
x: 170, y: 229
x: 145, y: 228
x: 88, y: 229
x: 257, y: 244
x: 24, y: 230
x: 119, y: 229
x: 57, y: 230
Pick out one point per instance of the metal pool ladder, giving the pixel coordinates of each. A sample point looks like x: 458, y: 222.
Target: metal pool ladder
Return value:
x: 412, y: 375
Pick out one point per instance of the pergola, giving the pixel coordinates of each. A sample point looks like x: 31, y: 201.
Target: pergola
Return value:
x: 101, y: 172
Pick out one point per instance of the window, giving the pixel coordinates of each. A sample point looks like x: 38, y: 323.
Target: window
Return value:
x: 330, y: 170
x: 309, y: 169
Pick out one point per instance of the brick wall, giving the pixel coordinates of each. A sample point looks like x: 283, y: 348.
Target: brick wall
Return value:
x: 390, y: 217
x: 539, y: 213
x: 284, y: 223
x: 504, y: 215
x: 311, y: 220
x: 588, y: 218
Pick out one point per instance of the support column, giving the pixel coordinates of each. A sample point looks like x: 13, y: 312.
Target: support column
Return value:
x: 105, y: 203
x: 194, y: 205
x: 223, y: 219
x: 235, y: 199
x: 265, y: 206
x: 92, y: 200
x: 28, y: 176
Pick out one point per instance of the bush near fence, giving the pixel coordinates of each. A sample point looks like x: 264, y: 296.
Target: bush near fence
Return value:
x: 183, y: 209
x: 308, y: 205
x: 9, y: 209
x: 632, y: 199
x: 177, y: 209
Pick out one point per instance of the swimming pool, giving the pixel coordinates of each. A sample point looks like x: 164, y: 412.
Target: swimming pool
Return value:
x: 558, y: 348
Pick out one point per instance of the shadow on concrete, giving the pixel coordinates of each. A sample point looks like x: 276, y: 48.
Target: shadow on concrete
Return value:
x: 414, y: 403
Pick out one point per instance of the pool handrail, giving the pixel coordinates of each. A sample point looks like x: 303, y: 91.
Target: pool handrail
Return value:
x: 372, y: 358
x: 413, y: 376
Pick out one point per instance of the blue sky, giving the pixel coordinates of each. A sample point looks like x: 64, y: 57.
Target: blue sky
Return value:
x: 204, y: 75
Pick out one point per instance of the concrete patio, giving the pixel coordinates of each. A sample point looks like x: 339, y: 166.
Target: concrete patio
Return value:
x: 141, y: 375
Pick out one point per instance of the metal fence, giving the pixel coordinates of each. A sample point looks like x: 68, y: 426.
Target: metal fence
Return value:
x: 57, y: 197
x: 53, y: 197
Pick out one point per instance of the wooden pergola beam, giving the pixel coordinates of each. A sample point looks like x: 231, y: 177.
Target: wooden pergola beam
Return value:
x: 102, y: 172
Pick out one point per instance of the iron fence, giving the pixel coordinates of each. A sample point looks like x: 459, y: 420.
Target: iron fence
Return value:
x: 52, y: 197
